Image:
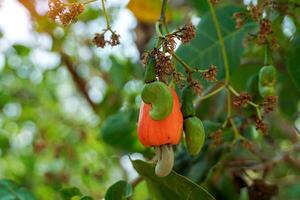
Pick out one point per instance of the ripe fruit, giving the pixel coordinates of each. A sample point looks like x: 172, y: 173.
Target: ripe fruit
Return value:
x: 160, y: 132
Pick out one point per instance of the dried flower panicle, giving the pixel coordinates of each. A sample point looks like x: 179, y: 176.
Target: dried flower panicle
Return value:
x: 64, y: 13
x: 255, y: 12
x: 240, y: 19
x: 114, y: 39
x: 169, y: 43
x: 260, y: 125
x: 214, y: 2
x: 274, y: 44
x: 196, y: 86
x: 186, y: 33
x: 210, y: 74
x: 178, y: 78
x: 269, y: 103
x: 164, y: 64
x: 247, y: 144
x: 217, y: 137
x: 144, y: 58
x: 265, y: 27
x: 100, y: 41
x: 242, y: 100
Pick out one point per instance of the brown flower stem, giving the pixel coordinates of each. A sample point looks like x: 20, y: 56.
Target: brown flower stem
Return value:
x: 105, y: 15
x: 136, y: 181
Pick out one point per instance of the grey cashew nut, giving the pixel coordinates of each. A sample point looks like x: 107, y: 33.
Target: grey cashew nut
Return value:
x: 165, y: 161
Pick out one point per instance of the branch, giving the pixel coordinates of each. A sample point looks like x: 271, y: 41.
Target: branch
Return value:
x: 29, y: 5
x: 136, y: 181
x: 79, y: 82
x: 221, y: 39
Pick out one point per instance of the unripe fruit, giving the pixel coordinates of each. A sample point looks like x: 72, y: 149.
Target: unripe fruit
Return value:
x: 267, y: 80
x: 194, y: 134
x: 187, y: 102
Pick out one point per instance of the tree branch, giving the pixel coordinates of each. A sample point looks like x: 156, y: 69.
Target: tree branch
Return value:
x: 79, y: 82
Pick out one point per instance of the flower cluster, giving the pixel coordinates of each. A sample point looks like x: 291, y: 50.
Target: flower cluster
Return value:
x: 265, y: 29
x: 210, y: 74
x: 255, y: 12
x: 260, y: 125
x: 164, y: 64
x: 184, y: 34
x: 197, y: 87
x: 269, y: 103
x: 214, y: 2
x: 217, y: 137
x: 100, y: 41
x: 240, y: 19
x: 64, y: 13
x: 242, y: 99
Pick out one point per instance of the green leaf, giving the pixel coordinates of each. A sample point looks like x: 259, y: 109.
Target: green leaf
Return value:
x: 201, y: 5
x: 68, y: 193
x: 11, y: 191
x: 4, y: 143
x: 119, y: 130
x: 21, y: 49
x: 173, y: 186
x: 119, y: 190
x: 293, y: 62
x: 86, y: 198
x: 288, y: 101
x: 205, y: 49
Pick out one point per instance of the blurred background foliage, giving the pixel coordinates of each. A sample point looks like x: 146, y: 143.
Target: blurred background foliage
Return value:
x: 68, y: 110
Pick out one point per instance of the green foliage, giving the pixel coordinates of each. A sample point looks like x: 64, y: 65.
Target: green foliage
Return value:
x: 119, y: 130
x: 119, y: 190
x: 206, y: 47
x: 11, y: 191
x: 73, y: 193
x: 293, y: 63
x: 173, y: 186
x: 201, y: 5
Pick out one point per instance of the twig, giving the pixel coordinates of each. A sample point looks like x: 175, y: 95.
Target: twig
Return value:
x: 105, y: 14
x: 136, y: 181
x: 79, y: 82
x: 221, y: 39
